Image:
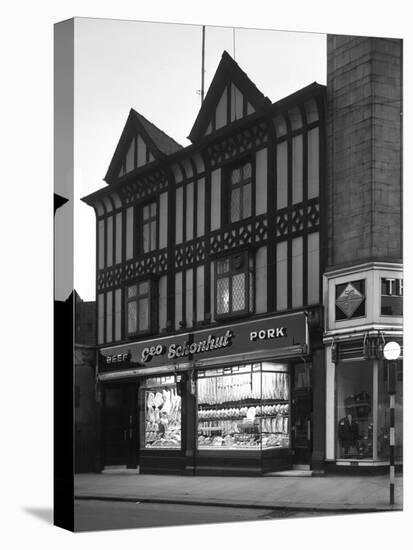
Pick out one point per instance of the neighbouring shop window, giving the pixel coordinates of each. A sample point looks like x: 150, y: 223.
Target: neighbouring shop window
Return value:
x: 148, y: 227
x: 391, y: 296
x: 354, y: 390
x: 350, y: 300
x: 162, y: 414
x: 244, y: 407
x: 139, y: 319
x: 233, y: 291
x: 240, y: 192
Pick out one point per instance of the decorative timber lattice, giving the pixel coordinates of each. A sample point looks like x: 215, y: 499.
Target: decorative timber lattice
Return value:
x: 313, y: 214
x: 230, y: 147
x: 240, y: 234
x: 143, y: 188
x: 153, y: 263
x: 190, y: 253
x: 298, y: 218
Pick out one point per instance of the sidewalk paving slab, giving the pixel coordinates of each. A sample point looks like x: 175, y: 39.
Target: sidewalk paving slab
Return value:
x: 334, y: 493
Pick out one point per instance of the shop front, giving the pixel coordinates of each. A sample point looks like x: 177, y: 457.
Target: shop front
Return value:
x: 236, y: 399
x: 364, y: 313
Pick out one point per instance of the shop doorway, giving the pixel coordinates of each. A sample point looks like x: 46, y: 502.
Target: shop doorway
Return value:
x: 120, y: 426
x: 302, y: 414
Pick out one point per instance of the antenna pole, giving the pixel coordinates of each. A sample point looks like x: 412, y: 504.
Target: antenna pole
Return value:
x: 203, y: 64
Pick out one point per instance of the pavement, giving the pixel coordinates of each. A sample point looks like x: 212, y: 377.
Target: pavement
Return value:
x: 324, y: 493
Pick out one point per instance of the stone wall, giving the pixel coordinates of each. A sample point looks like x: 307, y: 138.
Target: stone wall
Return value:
x: 364, y: 110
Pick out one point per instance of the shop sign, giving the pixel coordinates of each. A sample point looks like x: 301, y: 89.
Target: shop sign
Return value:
x: 257, y: 336
x: 118, y: 358
x: 175, y: 351
x: 349, y: 300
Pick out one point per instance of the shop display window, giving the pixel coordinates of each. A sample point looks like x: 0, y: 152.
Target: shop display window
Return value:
x: 162, y: 417
x: 354, y: 385
x: 245, y: 407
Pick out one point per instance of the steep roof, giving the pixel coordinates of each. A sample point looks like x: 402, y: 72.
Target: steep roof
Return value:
x: 158, y: 143
x: 228, y: 72
x: 162, y: 141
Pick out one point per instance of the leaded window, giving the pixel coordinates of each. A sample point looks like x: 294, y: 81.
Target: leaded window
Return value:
x: 234, y: 285
x: 139, y: 318
x: 240, y: 192
x: 148, y: 226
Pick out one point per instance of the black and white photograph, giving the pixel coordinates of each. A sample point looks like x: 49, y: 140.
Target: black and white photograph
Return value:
x: 238, y: 277
x: 205, y: 284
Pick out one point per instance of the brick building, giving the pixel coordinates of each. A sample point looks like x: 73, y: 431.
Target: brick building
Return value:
x: 216, y: 261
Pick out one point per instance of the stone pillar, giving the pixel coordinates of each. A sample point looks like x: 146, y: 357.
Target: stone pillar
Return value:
x: 364, y: 131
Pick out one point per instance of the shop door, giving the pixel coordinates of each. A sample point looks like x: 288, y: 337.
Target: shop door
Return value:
x: 302, y: 414
x: 119, y: 425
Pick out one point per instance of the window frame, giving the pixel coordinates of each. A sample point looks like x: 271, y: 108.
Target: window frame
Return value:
x: 229, y: 187
x: 151, y: 295
x: 141, y: 222
x: 248, y: 264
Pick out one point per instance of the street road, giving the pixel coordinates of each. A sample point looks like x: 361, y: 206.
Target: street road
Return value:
x: 93, y: 515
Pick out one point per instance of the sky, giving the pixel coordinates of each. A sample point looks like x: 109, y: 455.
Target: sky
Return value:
x: 155, y: 68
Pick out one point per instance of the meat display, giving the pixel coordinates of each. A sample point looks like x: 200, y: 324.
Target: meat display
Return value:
x: 163, y: 417
x: 243, y: 411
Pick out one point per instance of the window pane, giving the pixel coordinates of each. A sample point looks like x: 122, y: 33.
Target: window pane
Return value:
x: 109, y: 241
x: 189, y: 301
x: 132, y: 326
x: 200, y: 227
x: 153, y: 209
x: 246, y: 199
x: 101, y: 250
x: 146, y: 237
x: 200, y: 289
x: 236, y: 176
x: 282, y: 168
x: 281, y: 275
x: 179, y: 215
x: 313, y: 268
x: 235, y: 205
x: 223, y: 295
x: 247, y: 171
x: 146, y: 212
x: 297, y: 169
x: 189, y: 211
x: 143, y: 314
x: 222, y: 266
x: 238, y: 292
x: 129, y: 232
x: 297, y: 272
x: 178, y: 300
x: 118, y: 253
x: 153, y: 235
x: 132, y: 290
x: 118, y: 313
x: 313, y: 166
x: 143, y: 288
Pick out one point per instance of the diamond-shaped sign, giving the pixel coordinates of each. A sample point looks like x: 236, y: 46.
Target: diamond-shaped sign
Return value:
x: 349, y: 300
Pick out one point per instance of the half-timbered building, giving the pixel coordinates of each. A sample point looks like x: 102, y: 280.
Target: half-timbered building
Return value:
x: 209, y: 287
